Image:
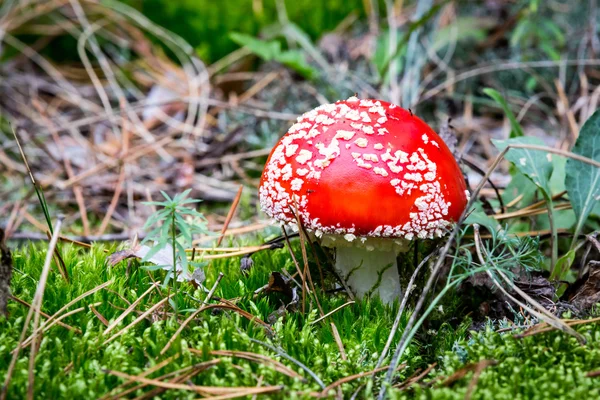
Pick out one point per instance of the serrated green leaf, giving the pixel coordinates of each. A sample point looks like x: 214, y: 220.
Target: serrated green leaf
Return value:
x: 516, y: 130
x: 583, y: 180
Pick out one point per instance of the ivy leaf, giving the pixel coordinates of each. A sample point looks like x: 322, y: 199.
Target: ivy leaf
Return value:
x: 534, y: 164
x: 583, y: 180
x: 516, y: 130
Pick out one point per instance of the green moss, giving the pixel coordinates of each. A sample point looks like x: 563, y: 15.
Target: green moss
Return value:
x: 73, y: 365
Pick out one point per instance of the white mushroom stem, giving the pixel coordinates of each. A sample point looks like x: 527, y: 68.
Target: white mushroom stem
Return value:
x: 373, y: 272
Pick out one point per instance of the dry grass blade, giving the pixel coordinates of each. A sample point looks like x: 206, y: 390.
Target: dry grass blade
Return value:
x: 47, y: 326
x: 138, y: 319
x: 540, y: 312
x: 351, y: 378
x: 246, y: 250
x: 183, y: 375
x: 416, y: 378
x: 202, y: 390
x: 230, y: 214
x: 76, y: 330
x: 144, y: 374
x: 332, y: 312
x: 477, y: 369
x: 192, y: 315
x: 57, y: 316
x: 544, y: 327
x: 303, y: 239
x: 129, y: 309
x: 259, y: 358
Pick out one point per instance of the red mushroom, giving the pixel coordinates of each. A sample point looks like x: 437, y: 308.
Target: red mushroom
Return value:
x: 366, y: 177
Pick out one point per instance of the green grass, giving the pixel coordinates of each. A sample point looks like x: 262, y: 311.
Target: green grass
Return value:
x: 73, y: 365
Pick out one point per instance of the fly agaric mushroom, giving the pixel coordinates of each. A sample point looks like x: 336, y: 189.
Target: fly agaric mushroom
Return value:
x: 366, y: 178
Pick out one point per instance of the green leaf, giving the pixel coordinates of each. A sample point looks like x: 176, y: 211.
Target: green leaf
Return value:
x: 563, y: 265
x: 296, y: 60
x: 516, y: 130
x: 583, y: 180
x: 535, y: 164
x: 478, y: 216
x: 267, y: 50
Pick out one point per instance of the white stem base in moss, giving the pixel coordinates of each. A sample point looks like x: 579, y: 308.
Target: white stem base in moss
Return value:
x: 369, y: 272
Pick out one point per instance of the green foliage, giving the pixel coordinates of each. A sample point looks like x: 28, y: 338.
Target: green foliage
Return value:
x: 541, y: 367
x: 583, y: 180
x: 271, y: 51
x: 173, y: 226
x: 205, y: 24
x: 535, y: 164
x: 537, y: 30
x: 516, y: 130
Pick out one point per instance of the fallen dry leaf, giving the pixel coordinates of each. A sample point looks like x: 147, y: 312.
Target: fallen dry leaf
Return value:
x: 163, y: 258
x: 589, y: 293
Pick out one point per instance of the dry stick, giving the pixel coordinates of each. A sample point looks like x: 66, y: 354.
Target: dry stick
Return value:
x: 36, y: 307
x: 438, y: 265
x: 230, y: 214
x: 401, y: 311
x: 129, y: 309
x: 193, y: 315
x: 542, y: 314
x: 138, y: 319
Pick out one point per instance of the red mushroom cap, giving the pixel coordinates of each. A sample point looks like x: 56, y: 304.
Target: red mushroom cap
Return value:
x: 363, y: 168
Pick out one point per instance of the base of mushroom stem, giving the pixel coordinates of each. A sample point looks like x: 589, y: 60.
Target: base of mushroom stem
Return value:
x: 373, y: 272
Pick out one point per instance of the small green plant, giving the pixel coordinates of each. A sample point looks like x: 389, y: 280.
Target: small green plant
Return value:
x: 173, y: 226
x: 270, y: 50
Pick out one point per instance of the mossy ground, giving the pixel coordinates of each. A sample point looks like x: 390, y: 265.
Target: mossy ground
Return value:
x: 72, y: 365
